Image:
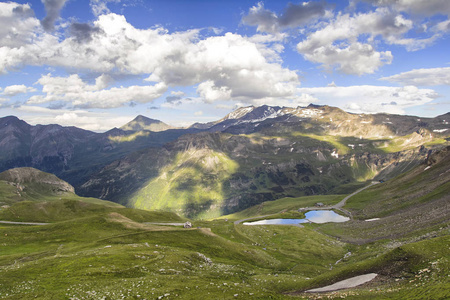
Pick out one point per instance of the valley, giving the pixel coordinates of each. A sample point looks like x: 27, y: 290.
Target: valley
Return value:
x: 110, y: 227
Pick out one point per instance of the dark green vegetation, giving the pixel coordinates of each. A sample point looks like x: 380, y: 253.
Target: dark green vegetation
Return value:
x: 96, y: 251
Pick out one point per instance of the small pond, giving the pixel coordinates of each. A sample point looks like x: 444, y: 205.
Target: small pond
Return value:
x: 314, y: 216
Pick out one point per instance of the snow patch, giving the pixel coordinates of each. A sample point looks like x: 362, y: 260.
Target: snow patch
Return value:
x: 440, y: 130
x: 374, y: 219
x: 335, y: 154
x: 239, y: 113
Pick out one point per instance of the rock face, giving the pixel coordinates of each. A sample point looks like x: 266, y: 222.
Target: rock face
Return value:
x: 71, y: 153
x: 22, y: 177
x: 187, y: 225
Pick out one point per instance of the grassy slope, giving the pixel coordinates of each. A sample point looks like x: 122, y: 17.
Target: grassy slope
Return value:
x: 223, y: 173
x: 100, y: 251
x: 113, y: 256
x: 192, y: 181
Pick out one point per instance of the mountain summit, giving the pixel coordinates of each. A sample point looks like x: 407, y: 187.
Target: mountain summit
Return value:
x: 143, y: 123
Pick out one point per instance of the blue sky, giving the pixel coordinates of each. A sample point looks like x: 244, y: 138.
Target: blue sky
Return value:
x: 96, y: 64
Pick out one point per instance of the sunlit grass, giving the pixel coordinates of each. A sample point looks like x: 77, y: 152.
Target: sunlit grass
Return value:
x: 192, y: 185
x: 128, y: 138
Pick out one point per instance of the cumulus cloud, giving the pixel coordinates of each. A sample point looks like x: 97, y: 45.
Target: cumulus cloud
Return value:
x: 419, y: 7
x: 227, y: 66
x: 53, y: 8
x: 422, y: 77
x: 294, y: 15
x: 356, y: 58
x: 14, y: 90
x: 210, y: 92
x: 80, y: 118
x: 75, y: 91
x: 100, y: 7
x: 372, y: 99
x: 17, y: 25
x: 83, y: 32
x: 347, y: 42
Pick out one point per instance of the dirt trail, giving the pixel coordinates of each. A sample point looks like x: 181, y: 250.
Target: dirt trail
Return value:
x: 23, y: 223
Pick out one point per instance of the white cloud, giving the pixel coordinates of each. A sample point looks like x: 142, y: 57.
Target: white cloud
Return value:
x: 210, y: 92
x: 422, y: 77
x: 80, y: 118
x: 347, y: 42
x: 100, y: 7
x: 356, y: 58
x: 14, y: 90
x: 372, y: 99
x: 78, y: 93
x: 419, y: 7
x: 198, y: 113
x: 178, y: 93
x: 294, y: 15
x: 17, y: 25
x: 231, y: 64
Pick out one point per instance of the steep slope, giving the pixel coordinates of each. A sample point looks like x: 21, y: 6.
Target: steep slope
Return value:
x: 210, y: 174
x: 141, y: 123
x: 69, y: 152
x: 416, y: 201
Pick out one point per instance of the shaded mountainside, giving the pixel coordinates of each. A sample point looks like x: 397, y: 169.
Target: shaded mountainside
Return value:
x: 30, y: 195
x: 211, y: 174
x: 69, y: 152
x: 252, y: 155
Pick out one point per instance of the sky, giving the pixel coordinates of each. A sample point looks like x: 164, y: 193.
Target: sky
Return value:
x: 97, y: 64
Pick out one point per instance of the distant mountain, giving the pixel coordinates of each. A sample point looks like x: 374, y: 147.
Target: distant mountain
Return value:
x: 47, y: 147
x: 143, y: 123
x: 325, y: 119
x: 70, y: 152
x: 252, y: 155
x: 265, y: 153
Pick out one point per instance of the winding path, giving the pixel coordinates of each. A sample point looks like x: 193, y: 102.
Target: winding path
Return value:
x: 337, y: 206
x: 23, y: 223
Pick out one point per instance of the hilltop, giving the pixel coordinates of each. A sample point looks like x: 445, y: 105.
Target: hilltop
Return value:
x: 141, y: 123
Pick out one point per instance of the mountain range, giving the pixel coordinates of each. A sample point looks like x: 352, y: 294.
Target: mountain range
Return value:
x: 253, y: 154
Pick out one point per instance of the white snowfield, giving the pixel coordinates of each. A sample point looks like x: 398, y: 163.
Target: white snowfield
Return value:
x: 345, y: 284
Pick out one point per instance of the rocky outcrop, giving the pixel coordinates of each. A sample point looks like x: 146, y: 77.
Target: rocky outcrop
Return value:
x: 23, y: 177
